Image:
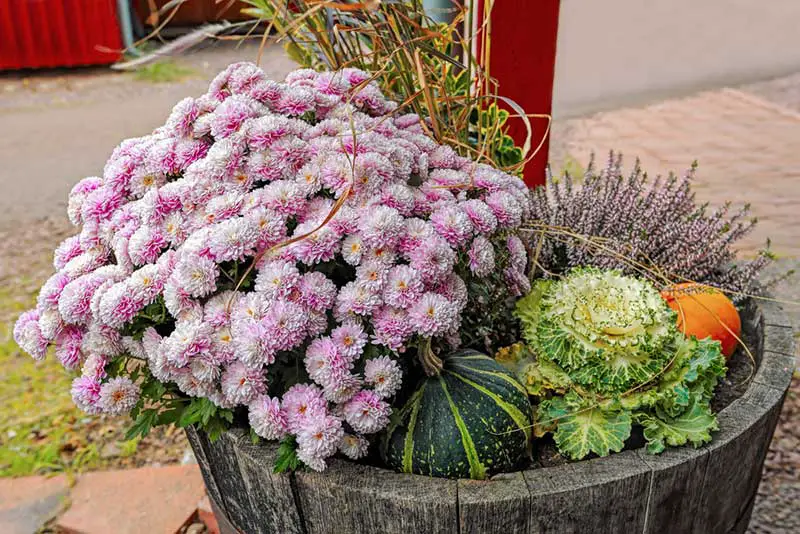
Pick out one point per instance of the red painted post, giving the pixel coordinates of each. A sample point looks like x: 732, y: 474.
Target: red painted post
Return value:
x: 522, y: 60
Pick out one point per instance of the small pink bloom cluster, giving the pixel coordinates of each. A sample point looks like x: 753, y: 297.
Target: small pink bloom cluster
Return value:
x: 254, y: 166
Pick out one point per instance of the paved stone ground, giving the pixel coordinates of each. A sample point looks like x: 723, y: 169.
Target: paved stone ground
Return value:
x: 741, y: 142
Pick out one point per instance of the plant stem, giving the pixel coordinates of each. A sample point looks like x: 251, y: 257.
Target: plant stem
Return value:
x: 431, y: 363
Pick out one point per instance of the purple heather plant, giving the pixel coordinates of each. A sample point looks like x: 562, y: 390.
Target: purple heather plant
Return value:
x: 639, y: 226
x: 277, y: 252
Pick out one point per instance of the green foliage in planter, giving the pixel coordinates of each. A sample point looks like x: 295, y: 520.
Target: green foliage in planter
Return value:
x: 603, y: 353
x: 471, y: 420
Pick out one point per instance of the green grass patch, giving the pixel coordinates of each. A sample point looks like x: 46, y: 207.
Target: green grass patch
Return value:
x: 165, y: 71
x: 41, y: 430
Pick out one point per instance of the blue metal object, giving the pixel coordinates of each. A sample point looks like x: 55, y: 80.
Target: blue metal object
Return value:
x: 126, y: 27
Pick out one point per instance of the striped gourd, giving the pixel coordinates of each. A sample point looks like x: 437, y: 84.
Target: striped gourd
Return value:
x: 470, y: 421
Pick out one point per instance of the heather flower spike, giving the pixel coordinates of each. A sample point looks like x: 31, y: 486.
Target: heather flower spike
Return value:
x: 655, y: 223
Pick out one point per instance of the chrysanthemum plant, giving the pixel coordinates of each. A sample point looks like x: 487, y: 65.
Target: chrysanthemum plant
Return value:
x: 281, y: 254
x: 439, y: 71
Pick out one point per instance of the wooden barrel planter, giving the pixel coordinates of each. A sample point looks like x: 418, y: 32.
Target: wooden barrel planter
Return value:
x: 707, y: 490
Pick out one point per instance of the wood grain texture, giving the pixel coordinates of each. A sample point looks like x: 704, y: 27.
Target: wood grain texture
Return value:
x: 349, y: 498
x: 735, y: 458
x: 196, y: 440
x: 601, y: 495
x: 675, y: 488
x: 708, y: 490
x: 272, y: 506
x: 500, y: 505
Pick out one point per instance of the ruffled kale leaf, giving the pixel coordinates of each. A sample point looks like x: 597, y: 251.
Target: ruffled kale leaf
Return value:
x: 693, y: 426
x: 589, y: 430
x: 602, y: 353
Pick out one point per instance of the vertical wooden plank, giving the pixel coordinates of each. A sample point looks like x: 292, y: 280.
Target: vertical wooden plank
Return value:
x: 736, y: 457
x: 501, y: 505
x: 350, y: 498
x: 272, y: 504
x: 676, y: 488
x: 522, y: 58
x: 601, y: 495
x: 234, y: 498
x: 196, y: 441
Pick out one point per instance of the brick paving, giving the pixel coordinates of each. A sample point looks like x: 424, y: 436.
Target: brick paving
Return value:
x: 743, y: 143
x: 28, y: 503
x: 157, y: 500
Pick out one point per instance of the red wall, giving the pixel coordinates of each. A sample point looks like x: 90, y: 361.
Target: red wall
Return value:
x: 523, y: 59
x: 56, y: 33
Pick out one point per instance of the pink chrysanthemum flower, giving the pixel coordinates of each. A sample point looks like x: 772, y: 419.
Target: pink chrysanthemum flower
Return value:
x: 355, y: 298
x: 433, y: 259
x: 372, y: 275
x: 366, y: 412
x: 433, y: 315
x: 481, y: 215
x: 277, y: 279
x: 302, y: 402
x: 324, y: 361
x: 341, y: 387
x: 86, y: 394
x: 317, y: 291
x: 381, y: 227
x: 506, y: 208
x: 118, y: 396
x: 231, y: 114
x: 403, y: 287
x: 233, y: 239
x: 68, y: 249
x: 350, y: 339
x: 241, y: 384
x: 384, y: 375
x: 266, y: 418
x: 317, y: 439
x: 187, y: 341
x: 454, y: 289
x: 118, y: 305
x: 28, y: 335
x: 196, y: 275
x: 392, y: 327
x: 481, y: 256
x: 95, y: 366
x: 352, y: 249
x: 354, y: 446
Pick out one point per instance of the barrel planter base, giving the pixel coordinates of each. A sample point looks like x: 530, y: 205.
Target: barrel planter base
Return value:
x: 705, y: 491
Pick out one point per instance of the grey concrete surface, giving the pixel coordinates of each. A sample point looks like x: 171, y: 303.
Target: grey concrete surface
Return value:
x: 58, y: 127
x: 614, y: 53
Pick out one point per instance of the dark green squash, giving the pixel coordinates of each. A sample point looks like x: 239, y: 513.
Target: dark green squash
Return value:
x: 470, y: 421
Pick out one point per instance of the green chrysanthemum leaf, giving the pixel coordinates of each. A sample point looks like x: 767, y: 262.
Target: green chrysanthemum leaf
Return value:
x: 693, y: 426
x: 589, y: 430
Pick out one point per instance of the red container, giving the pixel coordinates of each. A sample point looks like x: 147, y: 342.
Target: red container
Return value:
x: 58, y: 33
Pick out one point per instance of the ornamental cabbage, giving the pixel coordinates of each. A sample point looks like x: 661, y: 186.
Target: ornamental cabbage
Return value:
x: 603, y: 353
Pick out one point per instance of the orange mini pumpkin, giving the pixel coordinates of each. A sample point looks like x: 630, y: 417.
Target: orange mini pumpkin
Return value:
x: 705, y: 312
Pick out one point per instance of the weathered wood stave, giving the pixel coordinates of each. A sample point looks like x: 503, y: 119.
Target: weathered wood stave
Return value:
x: 705, y: 491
